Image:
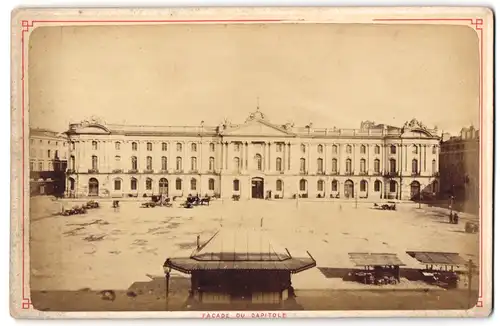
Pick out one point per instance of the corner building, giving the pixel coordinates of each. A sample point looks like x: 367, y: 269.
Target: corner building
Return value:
x: 254, y: 159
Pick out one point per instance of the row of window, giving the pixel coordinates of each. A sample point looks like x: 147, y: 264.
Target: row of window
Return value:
x: 49, y: 142
x: 362, y: 165
x: 149, y: 146
x: 162, y: 184
x: 363, y: 149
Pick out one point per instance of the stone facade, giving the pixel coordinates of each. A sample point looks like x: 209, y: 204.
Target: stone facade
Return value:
x: 254, y: 159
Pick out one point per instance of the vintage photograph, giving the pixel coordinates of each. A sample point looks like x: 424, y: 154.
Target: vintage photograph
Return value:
x: 254, y: 167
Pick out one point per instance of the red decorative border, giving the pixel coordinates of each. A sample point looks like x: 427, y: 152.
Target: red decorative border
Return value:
x: 476, y: 22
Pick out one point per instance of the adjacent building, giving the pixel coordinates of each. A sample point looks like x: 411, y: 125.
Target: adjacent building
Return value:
x: 460, y: 168
x: 48, y: 159
x: 254, y: 159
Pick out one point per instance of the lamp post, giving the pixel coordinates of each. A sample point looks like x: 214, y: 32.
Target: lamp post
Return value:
x: 167, y: 270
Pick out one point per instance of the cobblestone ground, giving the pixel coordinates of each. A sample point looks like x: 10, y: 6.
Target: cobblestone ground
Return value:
x: 108, y: 249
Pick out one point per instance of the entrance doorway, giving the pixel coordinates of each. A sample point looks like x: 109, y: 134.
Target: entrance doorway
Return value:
x: 258, y: 188
x: 414, y: 190
x: 163, y: 186
x: 93, y: 187
x: 349, y: 189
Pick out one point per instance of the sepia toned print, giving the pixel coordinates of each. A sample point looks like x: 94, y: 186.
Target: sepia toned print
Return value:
x: 256, y: 169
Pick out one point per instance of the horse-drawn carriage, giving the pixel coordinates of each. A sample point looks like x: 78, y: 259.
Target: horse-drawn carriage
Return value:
x: 192, y: 201
x: 157, y: 201
x: 75, y: 210
x: 92, y: 204
x: 389, y: 206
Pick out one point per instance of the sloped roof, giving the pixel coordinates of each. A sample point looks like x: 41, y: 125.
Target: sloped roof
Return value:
x: 375, y: 259
x: 438, y: 258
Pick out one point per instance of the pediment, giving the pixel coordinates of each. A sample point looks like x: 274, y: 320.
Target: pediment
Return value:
x: 92, y: 130
x: 256, y: 128
x: 416, y: 133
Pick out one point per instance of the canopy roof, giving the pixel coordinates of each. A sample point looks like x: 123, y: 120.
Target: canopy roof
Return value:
x: 437, y: 258
x: 240, y: 250
x: 375, y: 259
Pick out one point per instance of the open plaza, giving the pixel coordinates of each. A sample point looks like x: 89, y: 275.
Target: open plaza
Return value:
x: 117, y: 249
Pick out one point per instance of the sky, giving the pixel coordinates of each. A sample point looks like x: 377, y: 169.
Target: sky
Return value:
x: 330, y: 75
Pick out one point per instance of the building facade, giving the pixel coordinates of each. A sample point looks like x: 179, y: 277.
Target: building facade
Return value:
x: 460, y: 167
x: 48, y: 159
x: 254, y: 159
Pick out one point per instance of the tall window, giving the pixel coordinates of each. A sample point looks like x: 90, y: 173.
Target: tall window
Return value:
x: 32, y: 165
x: 194, y: 147
x: 72, y: 162
x: 134, y: 146
x: 164, y: 147
x: 362, y: 186
x: 393, y: 149
x: 302, y: 148
x: 393, y: 186
x: 279, y: 185
x: 335, y: 185
x: 118, y: 184
x: 164, y: 165
x: 363, y: 149
x: 193, y: 184
x: 258, y: 162
x: 211, y: 164
x: 434, y: 166
x: 236, y: 164
x: 348, y: 166
x: 362, y: 165
x: 194, y: 164
x: 94, y: 145
x: 117, y: 145
x: 51, y: 166
x: 134, y: 163
x: 94, y: 162
x: 376, y: 165
x: 377, y: 149
x: 179, y: 147
x: 319, y: 163
x: 236, y: 185
x: 178, y: 184
x: 302, y: 165
x: 178, y: 164
x: 377, y: 185
x: 335, y: 149
x: 149, y: 163
x: 320, y: 149
x: 414, y: 166
x: 72, y: 145
x: 211, y: 184
x: 334, y: 165
x: 133, y: 184
x: 392, y: 165
x: 48, y: 153
x: 415, y: 149
x: 302, y: 185
x: 320, y: 185
x: 212, y: 147
x: 40, y: 166
x: 348, y: 149
x: 149, y: 184
x: 279, y: 147
x: 149, y: 147
x: 278, y: 164
x: 117, y: 162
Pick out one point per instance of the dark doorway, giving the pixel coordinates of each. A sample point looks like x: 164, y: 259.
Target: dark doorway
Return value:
x: 93, y: 187
x: 163, y: 186
x: 415, y: 190
x: 258, y: 188
x: 349, y: 189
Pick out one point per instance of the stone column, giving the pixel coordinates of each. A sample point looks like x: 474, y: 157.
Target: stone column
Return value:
x: 246, y: 156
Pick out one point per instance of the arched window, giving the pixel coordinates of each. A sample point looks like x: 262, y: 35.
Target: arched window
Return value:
x: 321, y: 185
x: 258, y: 162
x: 236, y: 185
x: 392, y: 165
x: 149, y: 184
x: 414, y: 166
x: 178, y: 184
x: 236, y: 164
x: 377, y: 149
x: 363, y: 149
x: 362, y: 165
x: 302, y: 165
x: 348, y: 149
x: 393, y: 149
x: 414, y: 149
x: 178, y: 164
x: 149, y: 147
x: 302, y: 185
x: 334, y: 165
x: 363, y: 185
x: 134, y: 163
x: 376, y: 165
x: 164, y: 165
x: 434, y: 170
x: 211, y: 184
x: 194, y: 164
x: 94, y: 162
x: 212, y: 147
x: 279, y: 185
x: 134, y: 146
x: 94, y: 145
x: 335, y: 149
x: 211, y: 164
x: 320, y: 164
x: 194, y: 148
x: 193, y: 184
x: 348, y: 166
x: 117, y: 145
x: 133, y: 184
x: 303, y: 148
x: 377, y: 186
x: 118, y: 184
x: 164, y: 147
x: 149, y: 163
x: 278, y: 164
x: 320, y: 149
x: 393, y: 186
x: 72, y: 162
x: 179, y: 147
x: 335, y: 185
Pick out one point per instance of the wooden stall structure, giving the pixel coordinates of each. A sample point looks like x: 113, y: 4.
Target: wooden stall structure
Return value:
x: 240, y: 269
x: 378, y: 268
x: 439, y: 267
